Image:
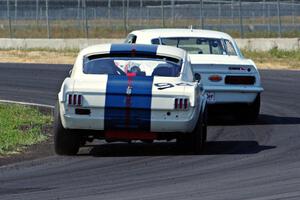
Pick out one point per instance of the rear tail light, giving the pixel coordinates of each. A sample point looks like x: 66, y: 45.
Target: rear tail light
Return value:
x: 215, y: 78
x: 240, y: 80
x: 79, y: 100
x: 75, y: 99
x: 181, y: 103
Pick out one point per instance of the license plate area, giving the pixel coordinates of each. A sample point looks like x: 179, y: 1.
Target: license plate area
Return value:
x: 210, y: 97
x: 130, y: 135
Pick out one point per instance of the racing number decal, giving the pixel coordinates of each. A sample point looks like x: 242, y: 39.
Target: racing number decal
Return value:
x: 162, y: 86
x: 184, y: 84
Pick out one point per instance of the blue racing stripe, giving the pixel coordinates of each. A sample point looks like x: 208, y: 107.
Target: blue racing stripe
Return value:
x: 128, y: 111
x: 129, y: 48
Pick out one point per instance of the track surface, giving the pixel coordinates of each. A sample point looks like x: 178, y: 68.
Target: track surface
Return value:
x: 243, y: 161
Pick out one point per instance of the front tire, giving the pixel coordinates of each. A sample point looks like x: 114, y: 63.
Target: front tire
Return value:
x: 65, y: 143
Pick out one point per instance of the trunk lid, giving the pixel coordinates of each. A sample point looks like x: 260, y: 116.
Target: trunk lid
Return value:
x: 222, y: 66
x: 128, y: 101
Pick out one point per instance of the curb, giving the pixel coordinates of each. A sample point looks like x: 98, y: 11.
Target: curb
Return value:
x: 41, y: 107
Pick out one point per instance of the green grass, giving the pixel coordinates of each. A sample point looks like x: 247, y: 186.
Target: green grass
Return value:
x: 21, y: 126
x: 290, y: 58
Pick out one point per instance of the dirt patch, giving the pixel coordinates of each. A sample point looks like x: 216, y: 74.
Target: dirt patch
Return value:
x: 32, y: 152
x: 68, y: 57
x: 49, y: 57
x: 276, y: 66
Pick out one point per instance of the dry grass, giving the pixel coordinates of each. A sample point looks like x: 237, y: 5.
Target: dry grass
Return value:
x: 37, y: 56
x: 273, y: 59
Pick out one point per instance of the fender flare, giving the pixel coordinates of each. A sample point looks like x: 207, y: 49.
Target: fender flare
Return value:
x: 67, y: 86
x: 203, y: 103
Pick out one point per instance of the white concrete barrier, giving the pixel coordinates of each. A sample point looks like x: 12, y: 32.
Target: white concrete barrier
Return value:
x: 265, y: 44
x: 259, y: 44
x: 79, y: 43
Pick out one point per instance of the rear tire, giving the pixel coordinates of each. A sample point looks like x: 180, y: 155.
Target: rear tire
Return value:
x: 147, y: 141
x: 65, y: 143
x: 254, y: 108
x: 196, y: 140
x: 250, y: 112
x: 199, y: 134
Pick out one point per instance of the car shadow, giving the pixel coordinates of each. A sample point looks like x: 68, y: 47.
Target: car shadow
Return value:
x: 263, y: 119
x: 271, y: 119
x: 171, y: 149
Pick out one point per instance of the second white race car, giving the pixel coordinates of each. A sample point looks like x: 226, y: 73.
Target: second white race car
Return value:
x: 227, y: 77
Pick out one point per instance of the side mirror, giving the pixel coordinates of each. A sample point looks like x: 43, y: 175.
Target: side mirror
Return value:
x: 70, y: 72
x: 197, y: 77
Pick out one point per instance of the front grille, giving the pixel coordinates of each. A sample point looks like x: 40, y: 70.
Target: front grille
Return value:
x: 240, y: 80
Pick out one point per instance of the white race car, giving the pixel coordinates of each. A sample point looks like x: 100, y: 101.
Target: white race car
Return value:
x: 227, y: 77
x: 124, y: 92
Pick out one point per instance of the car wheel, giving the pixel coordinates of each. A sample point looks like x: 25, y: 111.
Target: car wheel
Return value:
x: 197, y: 139
x: 65, y: 143
x: 147, y: 141
x: 199, y: 134
x: 181, y: 141
x: 251, y: 111
x: 254, y: 108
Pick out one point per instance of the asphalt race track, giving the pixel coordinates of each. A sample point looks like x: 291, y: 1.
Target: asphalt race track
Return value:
x: 258, y: 161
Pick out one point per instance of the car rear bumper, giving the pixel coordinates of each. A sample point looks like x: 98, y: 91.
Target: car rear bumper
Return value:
x: 231, y: 94
x: 161, y: 121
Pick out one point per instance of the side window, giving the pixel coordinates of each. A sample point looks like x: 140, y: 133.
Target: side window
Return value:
x: 131, y: 39
x: 203, y: 46
x: 230, y: 48
x: 155, y: 41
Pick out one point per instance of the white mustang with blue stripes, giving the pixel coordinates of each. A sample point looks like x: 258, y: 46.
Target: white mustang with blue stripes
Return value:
x: 124, y: 92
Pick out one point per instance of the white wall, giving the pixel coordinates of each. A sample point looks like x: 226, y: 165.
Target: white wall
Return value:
x: 263, y: 44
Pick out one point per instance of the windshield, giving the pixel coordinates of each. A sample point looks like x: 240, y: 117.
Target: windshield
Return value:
x: 199, y: 45
x: 128, y: 66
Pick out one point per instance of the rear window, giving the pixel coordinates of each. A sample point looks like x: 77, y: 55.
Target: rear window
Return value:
x: 194, y: 45
x: 131, y: 66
